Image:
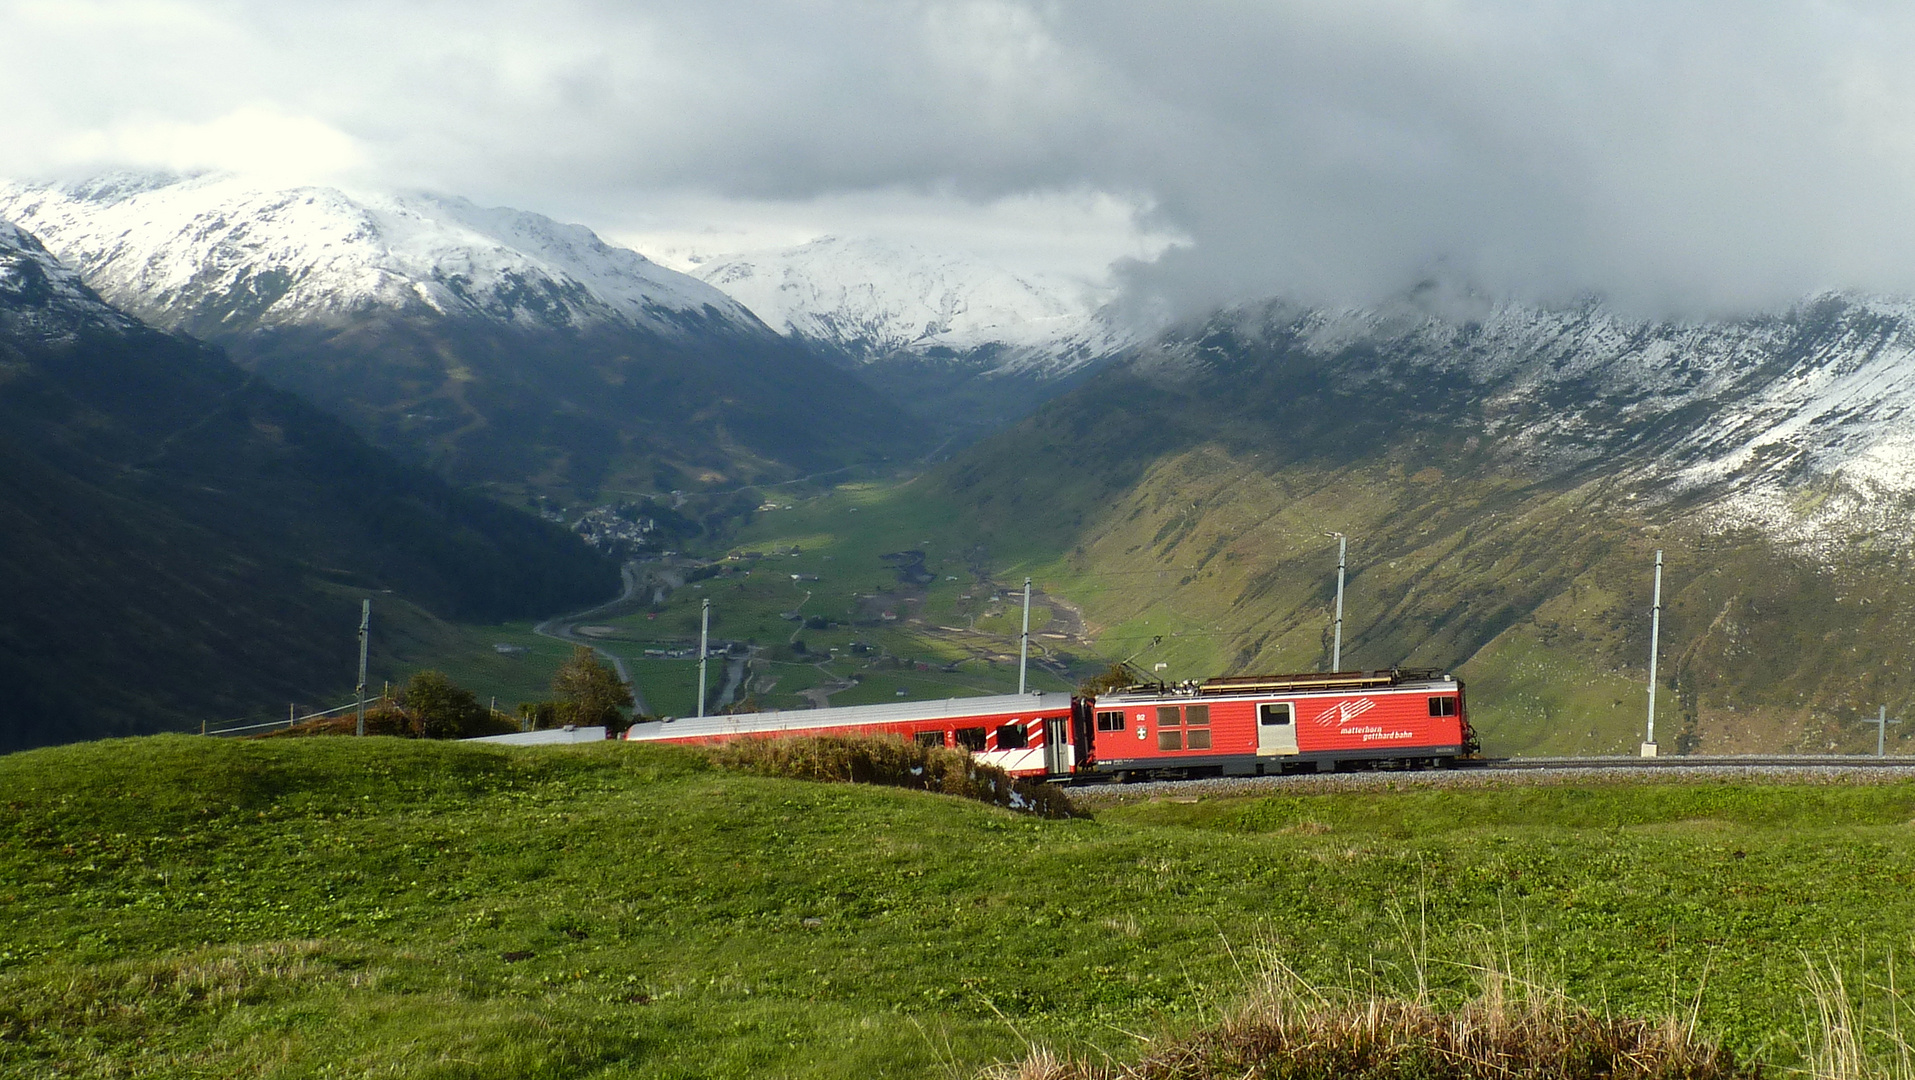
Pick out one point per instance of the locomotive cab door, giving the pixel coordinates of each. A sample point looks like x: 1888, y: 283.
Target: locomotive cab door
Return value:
x: 1057, y: 746
x: 1276, y: 728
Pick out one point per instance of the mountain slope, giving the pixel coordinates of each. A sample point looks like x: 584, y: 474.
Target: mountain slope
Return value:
x: 1503, y: 478
x: 180, y: 542
x: 500, y: 347
x: 969, y: 344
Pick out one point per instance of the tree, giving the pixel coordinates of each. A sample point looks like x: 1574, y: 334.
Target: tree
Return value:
x: 440, y: 708
x: 592, y: 690
x: 1114, y: 677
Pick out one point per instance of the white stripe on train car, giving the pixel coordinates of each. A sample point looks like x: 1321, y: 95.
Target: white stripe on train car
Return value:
x: 1013, y: 761
x: 1004, y: 706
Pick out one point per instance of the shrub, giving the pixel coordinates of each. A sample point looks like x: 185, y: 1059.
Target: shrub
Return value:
x: 441, y: 708
x: 429, y: 707
x: 891, y: 762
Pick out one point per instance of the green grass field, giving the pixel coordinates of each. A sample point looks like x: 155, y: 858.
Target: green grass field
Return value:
x: 823, y: 559
x: 179, y: 907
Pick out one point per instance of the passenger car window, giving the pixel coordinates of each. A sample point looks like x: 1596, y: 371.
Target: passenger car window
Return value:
x: 970, y: 738
x: 1011, y: 737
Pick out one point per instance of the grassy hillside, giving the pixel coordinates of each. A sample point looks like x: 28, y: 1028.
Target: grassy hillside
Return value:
x: 1193, y: 504
x: 181, y: 543
x: 173, y: 906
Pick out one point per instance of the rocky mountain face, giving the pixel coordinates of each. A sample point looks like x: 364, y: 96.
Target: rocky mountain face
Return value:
x: 501, y: 347
x: 181, y: 542
x: 1504, y: 476
x: 969, y: 344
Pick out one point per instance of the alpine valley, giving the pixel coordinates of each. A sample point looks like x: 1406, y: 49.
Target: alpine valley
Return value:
x: 1504, y: 472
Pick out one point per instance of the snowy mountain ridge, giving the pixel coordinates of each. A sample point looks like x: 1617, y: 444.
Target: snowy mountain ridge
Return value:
x: 1799, y: 423
x: 878, y: 299
x: 44, y: 298
x: 217, y: 253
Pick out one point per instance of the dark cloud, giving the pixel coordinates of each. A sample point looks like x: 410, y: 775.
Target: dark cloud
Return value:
x: 1674, y: 154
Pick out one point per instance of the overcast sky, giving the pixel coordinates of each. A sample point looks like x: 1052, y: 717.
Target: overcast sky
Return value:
x: 1673, y: 154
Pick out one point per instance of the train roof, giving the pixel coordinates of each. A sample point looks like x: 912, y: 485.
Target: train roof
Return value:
x: 1005, y: 705
x: 1315, y: 682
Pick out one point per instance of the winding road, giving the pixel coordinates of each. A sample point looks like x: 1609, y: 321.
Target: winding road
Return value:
x: 565, y: 628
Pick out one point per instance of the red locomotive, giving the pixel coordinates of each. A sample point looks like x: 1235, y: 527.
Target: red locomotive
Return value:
x: 1244, y: 726
x: 1257, y: 725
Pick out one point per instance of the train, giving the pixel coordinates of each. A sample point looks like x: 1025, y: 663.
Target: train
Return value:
x: 1235, y: 726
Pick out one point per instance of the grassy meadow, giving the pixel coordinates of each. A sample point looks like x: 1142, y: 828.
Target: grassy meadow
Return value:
x: 174, y: 907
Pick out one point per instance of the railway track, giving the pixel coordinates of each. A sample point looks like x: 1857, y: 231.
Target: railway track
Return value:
x: 1696, y: 761
x: 1498, y: 772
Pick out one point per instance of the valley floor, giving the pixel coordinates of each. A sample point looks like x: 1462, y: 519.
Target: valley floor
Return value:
x: 186, y: 907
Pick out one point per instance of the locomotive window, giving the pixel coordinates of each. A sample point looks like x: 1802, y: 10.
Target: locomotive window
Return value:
x: 1276, y: 712
x: 1011, y: 737
x: 970, y: 738
x: 1169, y: 716
x: 1170, y: 739
x: 1197, y: 716
x: 1110, y: 721
x: 1442, y: 706
x: 930, y: 738
x: 1197, y: 739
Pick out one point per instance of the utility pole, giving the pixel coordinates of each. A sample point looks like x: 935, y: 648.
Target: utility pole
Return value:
x: 1024, y: 643
x: 365, y: 632
x: 1655, y: 638
x: 1336, y: 640
x: 1881, y: 723
x: 704, y: 634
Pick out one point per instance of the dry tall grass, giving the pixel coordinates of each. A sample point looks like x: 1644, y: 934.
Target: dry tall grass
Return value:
x: 1856, y: 1027
x: 891, y: 762
x: 1511, y: 1030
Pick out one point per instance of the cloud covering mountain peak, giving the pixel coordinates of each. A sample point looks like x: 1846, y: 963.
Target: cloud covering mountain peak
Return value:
x: 1691, y: 155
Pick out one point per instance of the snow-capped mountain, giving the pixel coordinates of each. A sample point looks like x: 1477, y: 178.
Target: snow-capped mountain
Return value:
x: 502, y: 347
x: 876, y: 299
x: 217, y: 253
x: 1738, y: 417
x: 44, y: 300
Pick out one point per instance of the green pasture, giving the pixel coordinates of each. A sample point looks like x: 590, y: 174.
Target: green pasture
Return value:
x: 183, y: 907
x: 823, y: 560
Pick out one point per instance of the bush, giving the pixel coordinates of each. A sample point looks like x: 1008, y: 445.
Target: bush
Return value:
x: 441, y: 708
x: 435, y: 708
x: 892, y: 762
